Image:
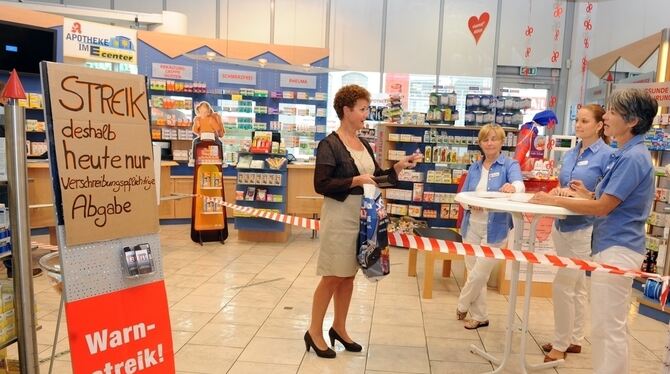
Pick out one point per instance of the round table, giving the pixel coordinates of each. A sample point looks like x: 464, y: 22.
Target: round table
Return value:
x: 517, y: 205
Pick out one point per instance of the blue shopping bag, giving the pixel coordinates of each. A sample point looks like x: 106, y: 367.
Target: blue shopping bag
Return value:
x: 372, y: 250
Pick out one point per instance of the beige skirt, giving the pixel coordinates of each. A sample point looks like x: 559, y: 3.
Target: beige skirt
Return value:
x: 338, y: 237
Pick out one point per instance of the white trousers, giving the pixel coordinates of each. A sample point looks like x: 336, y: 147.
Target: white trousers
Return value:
x: 610, y: 303
x: 473, y: 293
x: 570, y: 294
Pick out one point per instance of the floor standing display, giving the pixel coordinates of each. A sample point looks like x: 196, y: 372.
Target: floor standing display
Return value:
x: 101, y: 163
x: 208, y: 216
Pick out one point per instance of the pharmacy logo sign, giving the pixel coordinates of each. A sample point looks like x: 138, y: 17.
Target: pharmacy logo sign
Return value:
x: 94, y: 41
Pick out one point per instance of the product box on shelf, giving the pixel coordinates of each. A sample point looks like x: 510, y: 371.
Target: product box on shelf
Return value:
x: 398, y: 194
x: 180, y: 154
x: 414, y: 211
x: 654, y: 242
x: 444, y: 211
x: 396, y: 155
x: 410, y: 176
x: 417, y: 192
x: 658, y: 219
x: 430, y: 213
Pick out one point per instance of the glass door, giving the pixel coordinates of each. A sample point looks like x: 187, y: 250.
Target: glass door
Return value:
x: 539, y: 91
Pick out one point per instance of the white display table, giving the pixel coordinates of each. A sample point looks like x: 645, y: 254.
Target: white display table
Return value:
x: 516, y: 205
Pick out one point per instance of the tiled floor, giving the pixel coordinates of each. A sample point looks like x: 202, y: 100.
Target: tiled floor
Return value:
x: 244, y: 307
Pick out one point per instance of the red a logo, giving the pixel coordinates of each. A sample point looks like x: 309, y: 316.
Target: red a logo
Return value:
x: 76, y: 27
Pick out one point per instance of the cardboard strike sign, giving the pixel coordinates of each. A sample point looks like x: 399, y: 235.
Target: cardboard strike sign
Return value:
x: 127, y: 338
x: 103, y: 153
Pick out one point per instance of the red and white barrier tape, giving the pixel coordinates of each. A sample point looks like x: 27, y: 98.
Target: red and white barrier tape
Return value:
x: 464, y: 249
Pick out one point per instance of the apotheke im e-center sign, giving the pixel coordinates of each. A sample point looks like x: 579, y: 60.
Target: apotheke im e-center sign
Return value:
x: 94, y: 41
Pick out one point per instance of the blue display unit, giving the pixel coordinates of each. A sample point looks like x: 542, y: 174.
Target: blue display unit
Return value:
x: 261, y: 187
x: 207, y: 72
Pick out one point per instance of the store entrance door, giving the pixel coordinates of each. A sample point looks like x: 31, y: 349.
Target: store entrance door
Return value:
x: 539, y: 91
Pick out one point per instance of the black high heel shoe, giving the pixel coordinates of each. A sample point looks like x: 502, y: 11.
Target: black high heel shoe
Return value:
x: 351, y: 347
x: 327, y: 353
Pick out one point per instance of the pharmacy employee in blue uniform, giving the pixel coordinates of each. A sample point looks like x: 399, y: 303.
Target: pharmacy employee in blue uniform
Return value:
x: 495, y: 172
x: 582, y: 168
x: 622, y: 204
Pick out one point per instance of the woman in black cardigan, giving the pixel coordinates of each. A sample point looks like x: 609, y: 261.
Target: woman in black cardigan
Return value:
x: 344, y: 163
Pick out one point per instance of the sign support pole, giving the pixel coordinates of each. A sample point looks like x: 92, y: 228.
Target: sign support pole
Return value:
x: 20, y: 228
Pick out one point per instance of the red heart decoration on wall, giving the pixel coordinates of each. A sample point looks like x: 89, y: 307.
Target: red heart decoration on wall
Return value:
x: 478, y: 25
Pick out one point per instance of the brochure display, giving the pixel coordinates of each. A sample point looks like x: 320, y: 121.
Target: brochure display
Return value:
x: 208, y: 221
x: 261, y: 183
x: 101, y: 163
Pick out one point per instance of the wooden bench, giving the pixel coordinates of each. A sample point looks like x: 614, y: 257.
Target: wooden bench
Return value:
x: 431, y: 256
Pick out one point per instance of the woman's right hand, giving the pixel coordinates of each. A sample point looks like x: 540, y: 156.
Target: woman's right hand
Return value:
x: 360, y: 180
x: 580, y: 189
x: 565, y: 192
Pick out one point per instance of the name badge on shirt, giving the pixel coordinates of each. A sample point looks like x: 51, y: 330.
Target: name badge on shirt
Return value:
x: 494, y: 175
x: 583, y: 163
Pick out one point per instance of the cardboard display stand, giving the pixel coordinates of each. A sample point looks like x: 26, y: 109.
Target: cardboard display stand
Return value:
x: 208, y: 216
x: 101, y: 163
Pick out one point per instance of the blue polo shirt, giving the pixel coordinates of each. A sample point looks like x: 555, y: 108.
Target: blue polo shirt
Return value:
x: 589, y: 167
x: 503, y: 170
x: 629, y: 177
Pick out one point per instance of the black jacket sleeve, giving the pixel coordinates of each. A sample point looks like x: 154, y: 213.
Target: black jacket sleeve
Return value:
x: 325, y: 182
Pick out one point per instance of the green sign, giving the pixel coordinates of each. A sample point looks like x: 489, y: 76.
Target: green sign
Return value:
x: 526, y: 70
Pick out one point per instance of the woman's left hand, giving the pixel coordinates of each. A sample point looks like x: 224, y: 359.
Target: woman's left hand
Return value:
x: 410, y: 161
x: 543, y: 198
x: 508, y: 188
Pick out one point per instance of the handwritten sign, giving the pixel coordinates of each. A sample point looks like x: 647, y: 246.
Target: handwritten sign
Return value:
x: 237, y: 77
x: 172, y: 71
x: 103, y: 153
x: 297, y: 81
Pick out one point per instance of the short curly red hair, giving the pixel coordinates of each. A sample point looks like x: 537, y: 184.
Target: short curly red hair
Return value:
x: 348, y: 96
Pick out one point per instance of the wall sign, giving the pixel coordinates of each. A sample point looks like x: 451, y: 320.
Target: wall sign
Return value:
x: 172, y: 71
x: 297, y: 81
x: 237, y: 77
x: 477, y: 25
x: 659, y: 91
x: 103, y: 153
x: 95, y: 41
